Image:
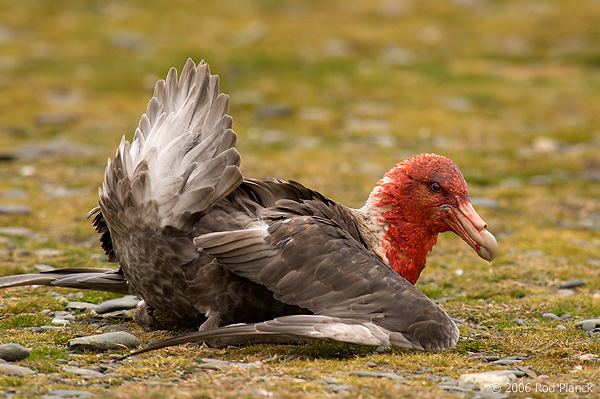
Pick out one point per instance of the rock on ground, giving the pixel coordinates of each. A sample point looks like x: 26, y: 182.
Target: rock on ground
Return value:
x: 12, y: 352
x: 126, y: 302
x: 11, y: 369
x: 104, y: 342
x: 66, y: 394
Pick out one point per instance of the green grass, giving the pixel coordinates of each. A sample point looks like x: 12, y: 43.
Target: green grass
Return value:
x: 509, y: 90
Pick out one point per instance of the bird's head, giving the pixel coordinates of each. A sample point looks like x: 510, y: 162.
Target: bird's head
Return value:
x: 426, y: 195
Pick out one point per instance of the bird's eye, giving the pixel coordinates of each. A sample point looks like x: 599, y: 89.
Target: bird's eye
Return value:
x: 435, y: 187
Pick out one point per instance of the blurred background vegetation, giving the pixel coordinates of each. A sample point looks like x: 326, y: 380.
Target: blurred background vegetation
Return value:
x: 333, y: 94
x: 329, y: 93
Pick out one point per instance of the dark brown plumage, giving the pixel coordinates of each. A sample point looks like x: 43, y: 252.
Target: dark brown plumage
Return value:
x: 205, y: 247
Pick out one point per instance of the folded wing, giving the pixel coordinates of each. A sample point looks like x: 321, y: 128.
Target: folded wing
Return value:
x: 311, y: 262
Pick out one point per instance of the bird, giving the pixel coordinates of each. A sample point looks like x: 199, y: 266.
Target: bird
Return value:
x: 207, y: 248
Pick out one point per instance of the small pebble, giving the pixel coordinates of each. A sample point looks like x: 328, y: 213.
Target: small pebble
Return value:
x: 561, y: 327
x: 84, y: 372
x: 81, y: 306
x: 578, y: 282
x: 505, y: 362
x: 14, y: 209
x: 113, y: 305
x: 588, y: 325
x: 390, y: 376
x: 113, y: 327
x: 48, y: 253
x: 66, y: 394
x: 370, y: 364
x: 16, y: 231
x: 13, y: 352
x: 520, y: 322
x: 565, y: 292
x: 550, y: 316
x: 43, y: 268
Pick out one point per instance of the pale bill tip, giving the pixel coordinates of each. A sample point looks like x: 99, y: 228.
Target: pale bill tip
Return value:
x: 489, y: 249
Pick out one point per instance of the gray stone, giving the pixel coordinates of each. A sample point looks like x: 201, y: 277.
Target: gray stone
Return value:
x: 11, y: 369
x: 12, y: 352
x: 66, y: 394
x: 484, y: 202
x: 55, y: 119
x: 103, y: 342
x: 550, y: 316
x: 48, y: 253
x: 273, y: 110
x: 14, y: 193
x: 370, y: 364
x: 588, y: 325
x: 40, y: 267
x: 561, y: 327
x: 81, y: 306
x: 119, y: 314
x: 113, y: 327
x: 487, y: 379
x: 16, y: 231
x: 520, y: 322
x: 14, y: 209
x: 62, y: 318
x: 578, y: 282
x: 505, y: 362
x: 113, y: 305
x: 390, y: 376
x: 565, y: 292
x: 84, y: 372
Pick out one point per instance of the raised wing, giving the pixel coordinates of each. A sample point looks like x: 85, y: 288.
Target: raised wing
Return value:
x: 182, y: 158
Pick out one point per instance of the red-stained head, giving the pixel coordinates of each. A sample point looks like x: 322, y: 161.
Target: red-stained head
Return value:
x: 420, y: 198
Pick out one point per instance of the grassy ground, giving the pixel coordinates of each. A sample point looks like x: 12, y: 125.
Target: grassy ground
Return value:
x: 332, y: 94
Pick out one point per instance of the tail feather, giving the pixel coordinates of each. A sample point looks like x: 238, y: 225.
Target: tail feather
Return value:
x: 317, y: 327
x: 76, y: 277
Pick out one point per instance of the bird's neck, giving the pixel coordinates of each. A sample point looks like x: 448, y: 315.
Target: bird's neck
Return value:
x: 401, y: 243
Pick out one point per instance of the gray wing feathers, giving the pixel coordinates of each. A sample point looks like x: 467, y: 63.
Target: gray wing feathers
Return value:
x: 304, y: 326
x: 82, y: 278
x: 182, y: 155
x: 312, y: 263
